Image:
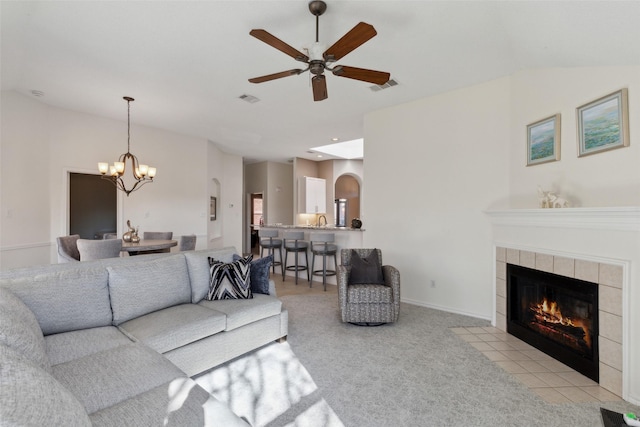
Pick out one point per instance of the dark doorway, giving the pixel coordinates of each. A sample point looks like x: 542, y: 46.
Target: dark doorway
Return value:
x: 92, y: 206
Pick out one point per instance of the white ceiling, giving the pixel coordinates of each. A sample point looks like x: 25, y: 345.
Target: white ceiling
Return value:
x: 187, y: 62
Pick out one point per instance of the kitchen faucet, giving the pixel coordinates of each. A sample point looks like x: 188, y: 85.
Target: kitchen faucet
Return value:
x: 319, y: 218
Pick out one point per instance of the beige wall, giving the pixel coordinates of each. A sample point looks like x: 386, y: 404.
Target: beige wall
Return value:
x: 431, y: 167
x: 611, y: 178
x: 434, y: 165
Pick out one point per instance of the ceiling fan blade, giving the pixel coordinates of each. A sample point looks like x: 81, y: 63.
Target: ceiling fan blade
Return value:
x: 276, y: 75
x: 362, y: 74
x: 319, y: 84
x: 350, y: 41
x: 273, y: 41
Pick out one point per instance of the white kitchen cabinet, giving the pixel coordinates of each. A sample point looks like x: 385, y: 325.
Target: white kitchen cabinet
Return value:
x: 312, y: 195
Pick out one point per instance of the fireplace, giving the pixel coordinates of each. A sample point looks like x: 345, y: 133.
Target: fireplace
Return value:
x: 556, y: 314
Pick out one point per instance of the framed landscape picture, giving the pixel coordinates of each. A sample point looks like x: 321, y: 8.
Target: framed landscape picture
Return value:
x: 603, y: 124
x: 543, y: 141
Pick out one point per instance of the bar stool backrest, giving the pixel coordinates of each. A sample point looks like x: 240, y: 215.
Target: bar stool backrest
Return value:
x: 268, y: 233
x: 294, y: 235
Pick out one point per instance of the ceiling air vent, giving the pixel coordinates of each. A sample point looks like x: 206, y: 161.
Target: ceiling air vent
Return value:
x: 249, y: 98
x: 388, y: 84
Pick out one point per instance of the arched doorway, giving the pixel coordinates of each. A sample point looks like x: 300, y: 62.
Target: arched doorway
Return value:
x: 347, y: 200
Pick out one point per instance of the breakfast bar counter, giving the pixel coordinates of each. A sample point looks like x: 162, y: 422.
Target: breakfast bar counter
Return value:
x: 344, y: 237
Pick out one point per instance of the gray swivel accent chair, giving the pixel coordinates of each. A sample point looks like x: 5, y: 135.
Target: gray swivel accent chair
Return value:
x: 293, y: 242
x: 269, y: 241
x: 322, y: 245
x: 157, y: 235
x: 187, y: 243
x: 68, y: 248
x: 368, y: 303
x: 99, y: 249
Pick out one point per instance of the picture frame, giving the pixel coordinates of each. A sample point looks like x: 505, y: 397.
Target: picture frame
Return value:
x: 213, y: 208
x: 543, y: 141
x: 603, y: 124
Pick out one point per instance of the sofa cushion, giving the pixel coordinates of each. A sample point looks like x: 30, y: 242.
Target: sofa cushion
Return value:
x: 20, y: 330
x: 175, y: 326
x: 187, y: 404
x: 150, y: 408
x: 199, y: 274
x: 259, y: 273
x: 72, y: 345
x: 30, y: 396
x: 143, y: 287
x: 230, y: 280
x: 65, y: 300
x: 111, y: 376
x: 241, y: 312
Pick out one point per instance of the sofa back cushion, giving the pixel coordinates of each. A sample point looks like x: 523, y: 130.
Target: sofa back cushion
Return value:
x: 146, y: 286
x: 199, y: 273
x: 65, y: 300
x: 20, y: 331
x: 31, y: 396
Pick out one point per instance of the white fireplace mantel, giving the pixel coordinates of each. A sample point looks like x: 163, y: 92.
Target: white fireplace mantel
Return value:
x: 609, y: 218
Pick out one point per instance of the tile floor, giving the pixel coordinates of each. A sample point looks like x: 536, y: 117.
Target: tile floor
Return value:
x: 553, y: 381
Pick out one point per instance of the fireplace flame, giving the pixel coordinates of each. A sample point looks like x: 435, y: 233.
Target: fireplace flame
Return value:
x: 549, y: 312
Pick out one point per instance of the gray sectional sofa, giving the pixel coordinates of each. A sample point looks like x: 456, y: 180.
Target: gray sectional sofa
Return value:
x: 114, y: 342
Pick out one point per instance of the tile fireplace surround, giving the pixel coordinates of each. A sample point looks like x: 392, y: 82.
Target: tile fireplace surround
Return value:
x: 599, y: 245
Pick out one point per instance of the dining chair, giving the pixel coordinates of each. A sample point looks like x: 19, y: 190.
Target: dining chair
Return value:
x: 158, y: 235
x: 187, y: 243
x: 99, y: 249
x: 68, y: 248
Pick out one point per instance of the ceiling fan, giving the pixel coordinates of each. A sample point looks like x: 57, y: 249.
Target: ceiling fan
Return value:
x: 317, y: 61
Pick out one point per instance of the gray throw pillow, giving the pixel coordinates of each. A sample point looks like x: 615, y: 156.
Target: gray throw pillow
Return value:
x: 367, y: 271
x: 259, y: 274
x: 230, y: 280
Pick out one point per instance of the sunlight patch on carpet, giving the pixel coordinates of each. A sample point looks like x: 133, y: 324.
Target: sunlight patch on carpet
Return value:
x: 270, y: 387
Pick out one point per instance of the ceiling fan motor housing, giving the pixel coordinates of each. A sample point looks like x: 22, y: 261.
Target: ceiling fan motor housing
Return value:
x: 316, y: 67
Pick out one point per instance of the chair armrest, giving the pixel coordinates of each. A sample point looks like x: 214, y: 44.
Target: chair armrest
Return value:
x: 343, y: 280
x: 392, y: 279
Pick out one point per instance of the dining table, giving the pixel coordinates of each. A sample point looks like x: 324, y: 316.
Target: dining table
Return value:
x: 147, y: 245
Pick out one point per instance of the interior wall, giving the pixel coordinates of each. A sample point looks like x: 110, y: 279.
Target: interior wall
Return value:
x: 58, y: 141
x: 432, y: 166
x: 610, y: 178
x: 24, y: 188
x: 280, y: 193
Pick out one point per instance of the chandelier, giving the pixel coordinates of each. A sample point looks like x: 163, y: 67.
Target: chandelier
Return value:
x: 142, y: 174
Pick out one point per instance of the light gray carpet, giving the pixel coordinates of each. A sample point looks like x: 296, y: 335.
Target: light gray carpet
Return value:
x: 416, y: 372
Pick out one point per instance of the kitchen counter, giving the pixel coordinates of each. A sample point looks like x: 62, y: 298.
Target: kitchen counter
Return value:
x: 344, y: 238
x: 331, y: 228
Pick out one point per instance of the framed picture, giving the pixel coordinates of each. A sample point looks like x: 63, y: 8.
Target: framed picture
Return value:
x: 212, y: 209
x: 603, y: 124
x: 543, y: 141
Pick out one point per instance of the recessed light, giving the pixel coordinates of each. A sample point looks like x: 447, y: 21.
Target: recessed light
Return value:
x: 335, y: 139
x: 319, y: 155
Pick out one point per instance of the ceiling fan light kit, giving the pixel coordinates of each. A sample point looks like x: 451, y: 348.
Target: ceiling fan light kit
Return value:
x: 318, y: 62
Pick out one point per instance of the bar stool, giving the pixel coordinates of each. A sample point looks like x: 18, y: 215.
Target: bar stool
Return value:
x: 322, y: 244
x: 268, y: 241
x: 293, y: 242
